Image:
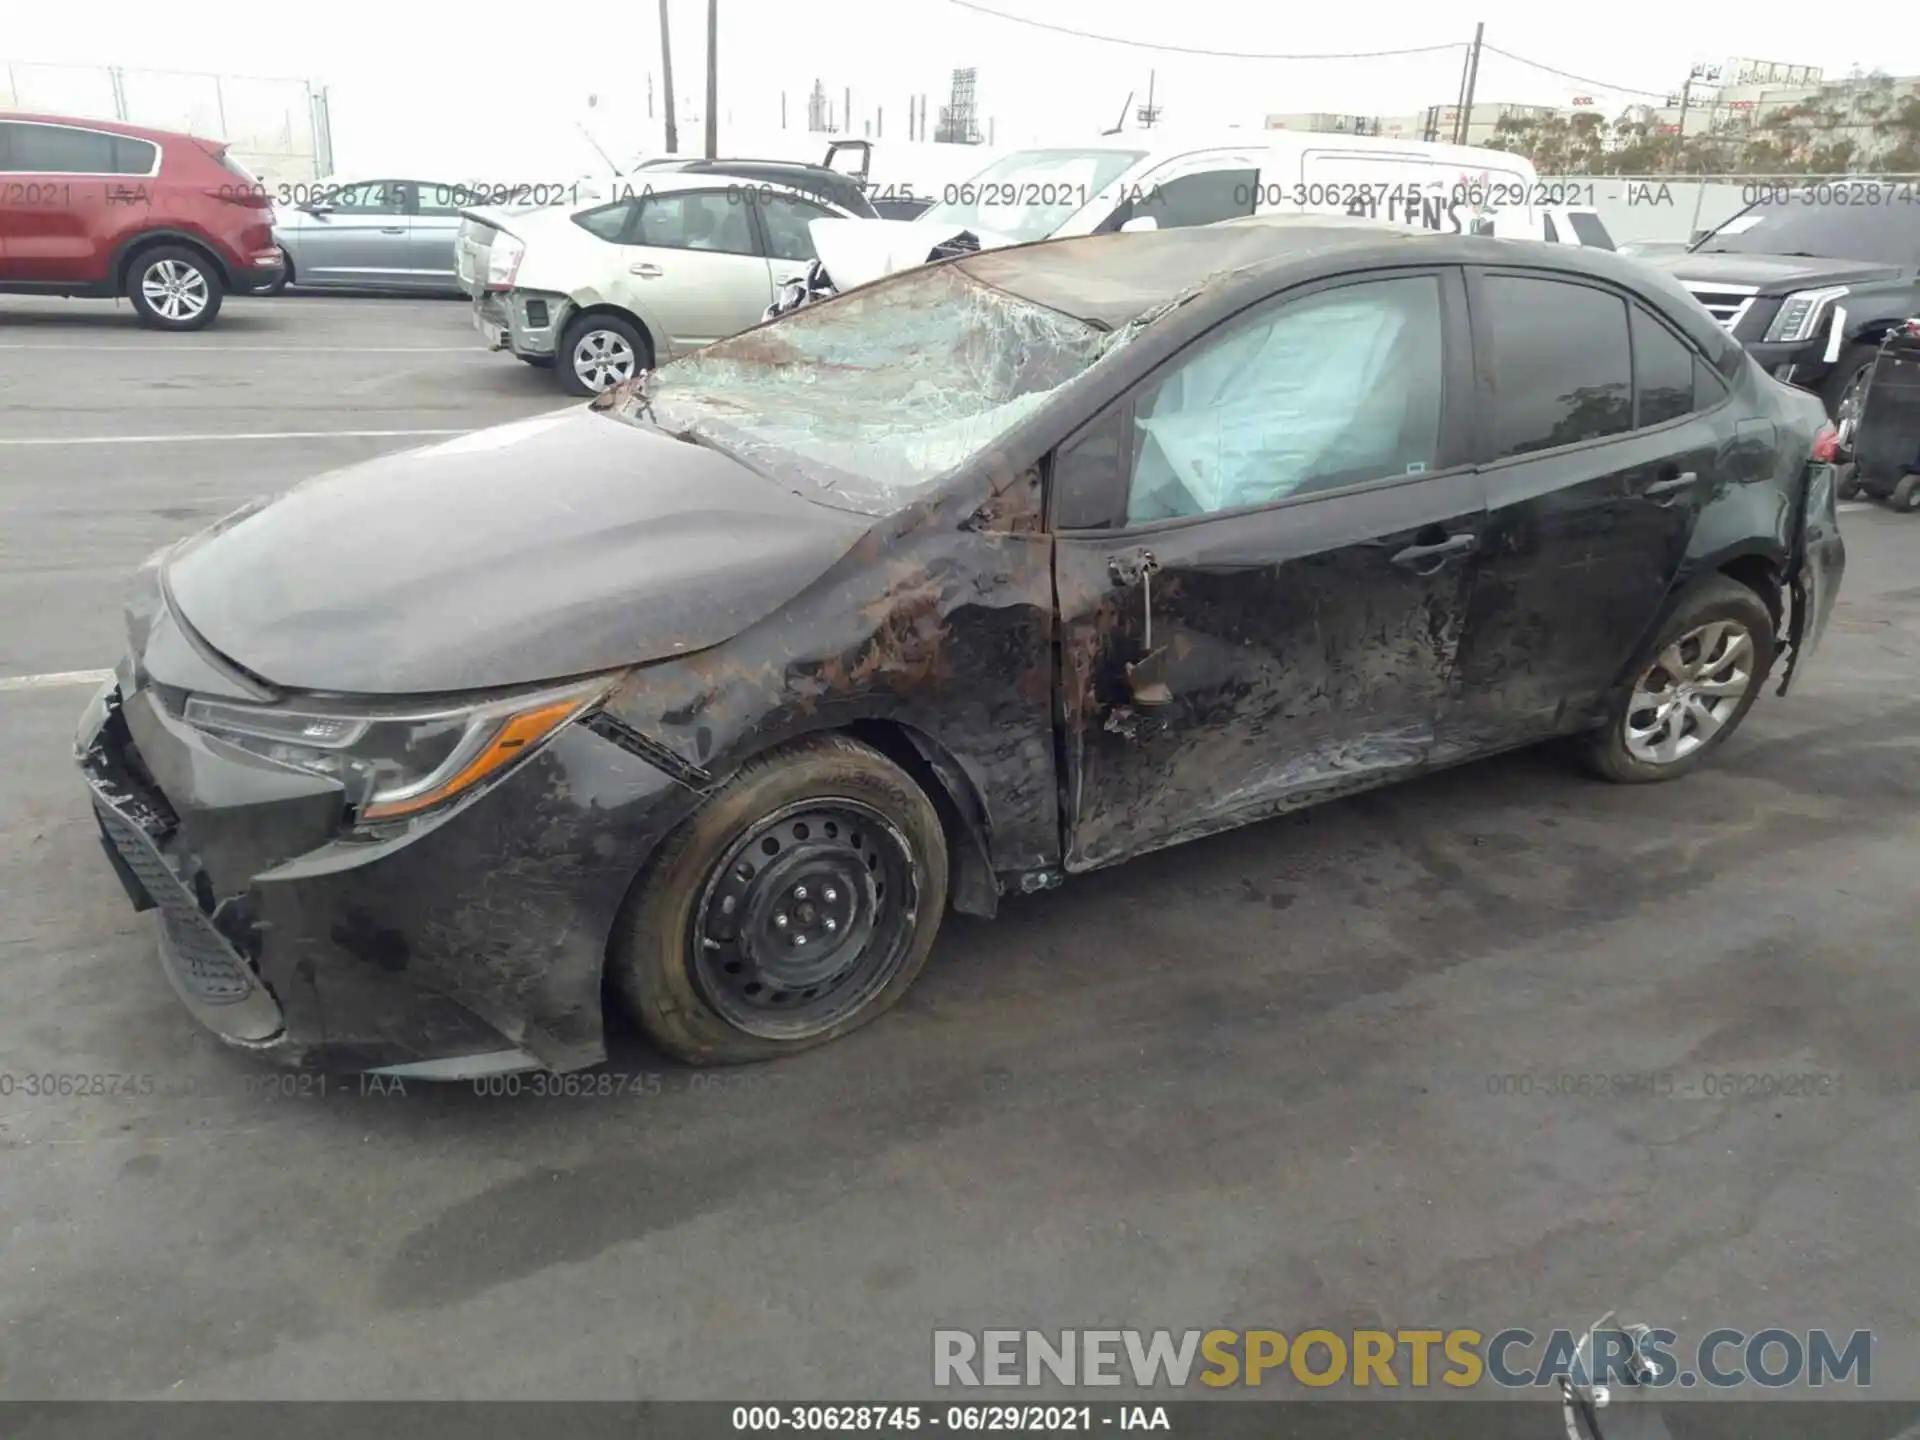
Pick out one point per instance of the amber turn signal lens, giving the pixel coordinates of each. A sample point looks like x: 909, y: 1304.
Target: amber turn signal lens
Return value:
x: 512, y: 740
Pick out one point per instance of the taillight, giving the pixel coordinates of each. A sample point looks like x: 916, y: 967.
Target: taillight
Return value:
x: 503, y: 261
x: 1826, y: 445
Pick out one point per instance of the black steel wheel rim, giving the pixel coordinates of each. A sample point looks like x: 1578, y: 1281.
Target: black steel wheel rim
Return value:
x: 809, y: 915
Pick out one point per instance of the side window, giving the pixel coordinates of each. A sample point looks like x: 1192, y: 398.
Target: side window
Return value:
x: 711, y: 220
x: 433, y: 198
x: 1561, y: 368
x: 1313, y: 394
x: 1201, y: 199
x: 54, y: 150
x: 786, y: 220
x: 1663, y: 386
x: 609, y: 222
x: 133, y: 157
x: 370, y: 197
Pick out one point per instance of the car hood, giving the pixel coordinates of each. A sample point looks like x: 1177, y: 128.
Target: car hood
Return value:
x: 1774, y: 274
x: 546, y: 548
x: 856, y: 251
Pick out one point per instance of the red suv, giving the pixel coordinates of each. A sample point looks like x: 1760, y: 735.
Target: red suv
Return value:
x: 97, y: 208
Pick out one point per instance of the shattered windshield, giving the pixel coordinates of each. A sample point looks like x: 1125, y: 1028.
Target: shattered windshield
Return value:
x: 1031, y: 193
x: 863, y: 401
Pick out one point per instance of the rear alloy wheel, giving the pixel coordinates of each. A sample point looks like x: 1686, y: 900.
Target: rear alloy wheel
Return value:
x: 598, y: 352
x: 1694, y: 688
x: 799, y: 903
x: 173, y: 288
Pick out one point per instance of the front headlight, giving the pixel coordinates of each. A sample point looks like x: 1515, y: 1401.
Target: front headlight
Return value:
x: 1800, y: 314
x: 397, y: 763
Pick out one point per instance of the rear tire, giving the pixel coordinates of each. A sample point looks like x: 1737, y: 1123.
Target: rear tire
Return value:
x: 1847, y: 486
x: 597, y: 352
x: 824, y: 842
x: 173, y: 287
x: 1906, y: 495
x: 1691, y: 688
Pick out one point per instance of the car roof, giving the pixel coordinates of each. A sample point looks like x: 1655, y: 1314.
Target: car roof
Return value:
x: 107, y: 127
x: 1112, y: 280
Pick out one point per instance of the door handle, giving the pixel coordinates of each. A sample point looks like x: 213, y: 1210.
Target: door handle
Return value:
x: 646, y: 271
x: 393, y: 229
x: 1428, y: 558
x: 1672, y: 484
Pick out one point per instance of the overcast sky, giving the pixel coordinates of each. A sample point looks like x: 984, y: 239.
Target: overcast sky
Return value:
x: 497, y: 88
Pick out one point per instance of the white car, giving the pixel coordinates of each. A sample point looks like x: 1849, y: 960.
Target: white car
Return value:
x: 663, y: 264
x: 1157, y: 180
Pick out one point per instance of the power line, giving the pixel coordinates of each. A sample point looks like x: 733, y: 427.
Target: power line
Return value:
x: 1566, y: 75
x: 1196, y: 50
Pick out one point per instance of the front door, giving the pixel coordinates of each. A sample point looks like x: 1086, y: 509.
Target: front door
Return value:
x: 692, y: 268
x: 358, y: 236
x: 1293, y: 522
x: 1599, y: 445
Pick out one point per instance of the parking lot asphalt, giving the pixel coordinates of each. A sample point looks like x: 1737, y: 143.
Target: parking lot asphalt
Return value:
x: 1265, y: 1080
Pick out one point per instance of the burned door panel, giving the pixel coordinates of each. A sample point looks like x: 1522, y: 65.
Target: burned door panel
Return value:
x: 1305, y: 652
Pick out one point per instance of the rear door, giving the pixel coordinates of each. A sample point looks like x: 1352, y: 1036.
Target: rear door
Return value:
x: 358, y: 236
x: 691, y: 265
x: 66, y: 195
x: 1602, y: 433
x: 1263, y: 557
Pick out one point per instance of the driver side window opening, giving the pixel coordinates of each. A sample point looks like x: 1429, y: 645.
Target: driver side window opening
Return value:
x: 1320, y: 393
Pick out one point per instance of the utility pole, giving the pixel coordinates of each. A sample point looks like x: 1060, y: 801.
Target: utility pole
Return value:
x: 783, y: 109
x: 1473, y: 76
x: 713, y: 79
x: 666, y: 81
x: 846, y: 108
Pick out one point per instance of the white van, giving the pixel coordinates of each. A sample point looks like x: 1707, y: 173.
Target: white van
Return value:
x: 1157, y: 180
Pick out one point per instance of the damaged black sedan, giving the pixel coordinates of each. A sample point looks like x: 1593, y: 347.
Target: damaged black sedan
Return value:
x: 710, y: 700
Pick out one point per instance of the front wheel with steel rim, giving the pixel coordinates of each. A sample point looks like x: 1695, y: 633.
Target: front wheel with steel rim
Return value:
x: 173, y: 288
x: 1693, y: 687
x: 799, y: 903
x: 1845, y: 392
x: 598, y: 352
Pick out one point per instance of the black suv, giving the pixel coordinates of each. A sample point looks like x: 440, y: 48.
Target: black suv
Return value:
x: 1811, y: 277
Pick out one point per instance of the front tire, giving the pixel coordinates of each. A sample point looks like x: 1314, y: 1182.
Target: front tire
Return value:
x: 286, y: 275
x: 1691, y: 689
x: 1845, y: 390
x: 799, y: 903
x: 172, y: 287
x: 1906, y: 495
x: 597, y: 352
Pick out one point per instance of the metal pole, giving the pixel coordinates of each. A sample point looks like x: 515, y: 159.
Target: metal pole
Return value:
x: 713, y: 79
x: 1473, y: 77
x: 846, y: 108
x: 1149, y: 120
x: 879, y: 120
x: 1460, y: 96
x: 1680, y: 144
x: 666, y: 82
x: 783, y: 109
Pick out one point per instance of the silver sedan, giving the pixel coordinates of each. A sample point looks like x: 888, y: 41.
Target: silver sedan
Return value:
x: 372, y: 235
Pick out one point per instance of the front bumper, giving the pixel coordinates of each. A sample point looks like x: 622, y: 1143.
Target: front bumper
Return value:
x: 526, y: 323
x: 469, y: 943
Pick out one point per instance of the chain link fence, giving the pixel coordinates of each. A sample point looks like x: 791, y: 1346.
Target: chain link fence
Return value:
x: 277, y: 128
